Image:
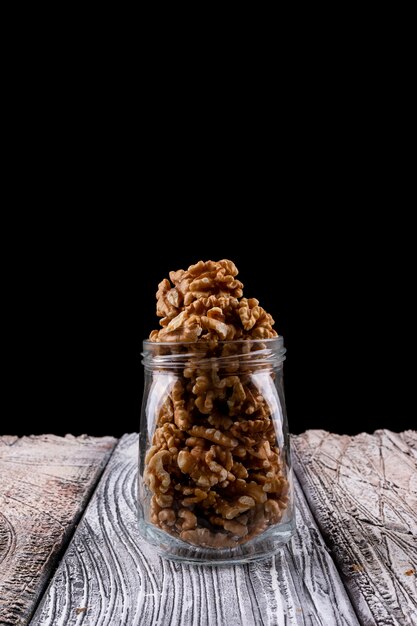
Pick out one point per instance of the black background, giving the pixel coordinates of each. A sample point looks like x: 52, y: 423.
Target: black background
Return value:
x: 120, y: 170
x: 339, y: 287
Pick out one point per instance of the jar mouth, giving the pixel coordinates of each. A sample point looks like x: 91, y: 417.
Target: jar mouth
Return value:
x: 175, y: 355
x: 279, y: 340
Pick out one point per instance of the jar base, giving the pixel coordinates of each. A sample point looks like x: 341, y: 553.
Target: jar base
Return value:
x: 261, y: 547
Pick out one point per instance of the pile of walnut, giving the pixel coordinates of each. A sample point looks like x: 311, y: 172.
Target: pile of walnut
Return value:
x: 214, y: 468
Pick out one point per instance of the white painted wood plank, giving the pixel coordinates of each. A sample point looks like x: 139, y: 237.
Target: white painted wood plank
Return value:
x: 45, y: 482
x: 362, y: 491
x: 111, y: 577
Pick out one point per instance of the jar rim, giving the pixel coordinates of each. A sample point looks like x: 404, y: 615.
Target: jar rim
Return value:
x: 169, y: 354
x: 279, y: 339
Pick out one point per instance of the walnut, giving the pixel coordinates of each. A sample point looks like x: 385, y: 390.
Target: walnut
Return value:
x: 204, y: 475
x: 216, y: 313
x: 164, y: 500
x: 255, y: 319
x: 166, y: 412
x: 152, y: 451
x: 204, y: 403
x: 229, y: 510
x: 181, y: 280
x: 233, y: 526
x: 168, y: 300
x: 206, y: 277
x: 250, y: 427
x: 202, y: 388
x: 159, y: 479
x: 211, y: 305
x: 193, y: 495
x: 168, y: 437
x: 202, y: 385
x: 273, y: 511
x: 273, y: 484
x: 253, y: 402
x: 239, y: 470
x: 190, y: 520
x: 283, y: 502
x: 261, y: 451
x: 226, y: 462
x: 240, y: 452
x: 259, y: 478
x: 195, y: 442
x: 167, y: 517
x: 263, y: 332
x: 249, y: 312
x: 220, y: 421
x: 211, y: 277
x: 242, y: 487
x: 213, y: 468
x: 183, y: 328
x: 186, y: 461
x: 182, y: 415
x: 205, y: 538
x: 236, y: 399
x: 220, y: 328
x: 154, y: 511
x: 223, y: 455
x: 216, y: 436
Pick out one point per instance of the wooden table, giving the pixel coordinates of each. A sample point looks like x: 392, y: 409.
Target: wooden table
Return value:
x: 70, y: 553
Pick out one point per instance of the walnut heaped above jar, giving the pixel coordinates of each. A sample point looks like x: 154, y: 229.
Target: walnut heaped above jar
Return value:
x: 216, y: 469
x: 205, y: 302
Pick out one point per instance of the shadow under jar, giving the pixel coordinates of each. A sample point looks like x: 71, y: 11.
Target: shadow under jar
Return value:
x: 215, y: 481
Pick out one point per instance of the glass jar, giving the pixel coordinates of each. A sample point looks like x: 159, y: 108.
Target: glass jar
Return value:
x: 215, y: 481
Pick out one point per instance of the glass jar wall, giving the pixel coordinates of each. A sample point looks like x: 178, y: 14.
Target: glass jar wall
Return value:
x: 215, y: 482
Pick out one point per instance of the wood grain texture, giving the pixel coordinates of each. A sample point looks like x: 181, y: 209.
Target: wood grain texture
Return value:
x: 111, y: 577
x: 45, y: 482
x: 362, y: 491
